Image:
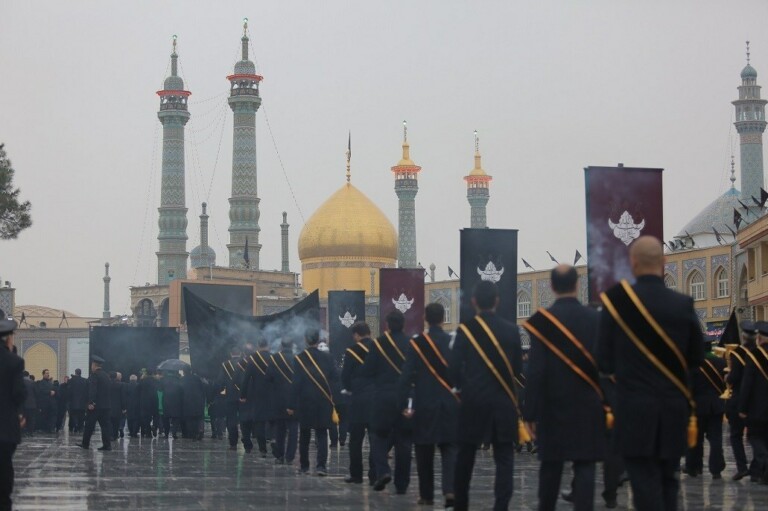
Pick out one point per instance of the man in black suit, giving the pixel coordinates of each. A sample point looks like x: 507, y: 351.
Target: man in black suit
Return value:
x: 231, y: 379
x: 708, y: 384
x: 311, y: 400
x: 117, y: 405
x: 653, y: 408
x: 435, y: 408
x: 78, y: 401
x: 564, y: 403
x: 99, y: 403
x: 388, y: 426
x: 46, y: 394
x: 133, y: 408
x: 30, y: 404
x: 255, y: 407
x: 286, y: 429
x: 359, y: 388
x: 753, y: 401
x: 489, y: 408
x: 193, y: 404
x: 12, y: 397
x: 738, y: 359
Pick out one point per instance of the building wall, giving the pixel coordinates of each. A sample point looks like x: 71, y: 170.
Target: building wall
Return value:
x: 45, y: 348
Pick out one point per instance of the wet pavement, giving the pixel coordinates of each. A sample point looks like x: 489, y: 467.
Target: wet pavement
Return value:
x: 52, y: 473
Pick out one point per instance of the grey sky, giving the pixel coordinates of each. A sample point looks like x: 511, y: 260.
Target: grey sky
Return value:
x: 552, y: 86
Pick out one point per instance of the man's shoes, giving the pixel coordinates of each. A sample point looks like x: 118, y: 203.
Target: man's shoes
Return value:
x: 322, y: 472
x: 303, y: 471
x: 353, y: 480
x: 611, y: 503
x: 717, y: 476
x: 425, y: 502
x: 334, y: 446
x: 83, y: 446
x: 754, y: 479
x: 567, y: 496
x: 232, y: 447
x: 382, y: 482
x: 102, y: 448
x: 741, y: 474
x: 279, y: 461
x: 449, y: 501
x: 400, y: 492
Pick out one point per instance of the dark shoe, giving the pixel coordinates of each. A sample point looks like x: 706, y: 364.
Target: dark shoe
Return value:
x: 353, y: 480
x: 741, y: 474
x: 754, y: 479
x: 279, y: 461
x: 716, y: 476
x: 400, y: 492
x: 83, y: 446
x: 425, y: 502
x: 382, y: 482
x: 567, y: 496
x: 232, y: 447
x: 102, y: 448
x: 334, y: 446
x: 322, y: 472
x: 342, y: 444
x: 449, y: 501
x: 303, y: 471
x: 611, y: 503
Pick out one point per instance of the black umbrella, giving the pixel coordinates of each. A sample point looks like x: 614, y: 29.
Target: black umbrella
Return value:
x: 172, y: 364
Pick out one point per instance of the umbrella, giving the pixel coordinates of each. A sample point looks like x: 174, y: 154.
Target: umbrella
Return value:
x: 172, y: 364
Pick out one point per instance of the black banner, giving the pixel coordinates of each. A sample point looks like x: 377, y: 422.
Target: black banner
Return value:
x: 402, y: 289
x: 129, y: 350
x: 489, y: 254
x: 344, y: 309
x: 214, y: 331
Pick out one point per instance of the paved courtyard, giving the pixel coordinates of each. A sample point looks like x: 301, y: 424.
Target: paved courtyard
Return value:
x: 52, y: 473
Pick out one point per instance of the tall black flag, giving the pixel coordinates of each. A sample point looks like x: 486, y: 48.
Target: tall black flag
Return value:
x: 344, y: 309
x: 717, y: 236
x: 763, y: 197
x: 452, y: 273
x: 736, y: 218
x: 246, y: 258
x: 730, y: 333
x: 525, y: 263
x: 577, y: 257
x: 489, y: 254
x: 732, y: 231
x: 553, y: 259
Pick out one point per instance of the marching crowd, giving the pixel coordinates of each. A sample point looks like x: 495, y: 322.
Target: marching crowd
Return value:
x: 633, y: 386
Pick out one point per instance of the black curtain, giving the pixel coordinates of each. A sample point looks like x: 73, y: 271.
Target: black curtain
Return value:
x: 128, y: 350
x: 214, y: 331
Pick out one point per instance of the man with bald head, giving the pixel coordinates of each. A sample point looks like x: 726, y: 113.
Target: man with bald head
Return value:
x: 564, y: 401
x: 650, y: 340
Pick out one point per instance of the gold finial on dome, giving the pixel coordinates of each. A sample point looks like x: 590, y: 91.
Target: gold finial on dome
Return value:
x: 349, y: 156
x: 406, y: 165
x: 477, y: 175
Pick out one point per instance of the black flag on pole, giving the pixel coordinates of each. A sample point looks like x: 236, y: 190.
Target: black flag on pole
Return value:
x: 525, y: 263
x: 717, y: 236
x: 489, y: 254
x: 577, y: 258
x: 763, y: 197
x: 344, y: 309
x: 553, y: 259
x: 246, y: 257
x: 452, y: 273
x: 730, y: 333
x: 736, y: 218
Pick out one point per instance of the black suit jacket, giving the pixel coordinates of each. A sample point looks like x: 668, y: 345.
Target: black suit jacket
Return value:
x: 99, y: 386
x: 435, y: 409
x: 753, y: 395
x: 707, y: 398
x: 355, y: 381
x: 280, y: 376
x: 651, y: 412
x: 78, y: 393
x: 735, y: 375
x: 313, y: 410
x: 386, y: 409
x: 568, y: 412
x: 256, y: 389
x: 486, y: 409
x: 12, y: 395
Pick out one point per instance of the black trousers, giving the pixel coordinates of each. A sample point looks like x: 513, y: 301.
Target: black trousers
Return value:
x: 736, y: 426
x: 321, y: 442
x: 757, y: 434
x: 286, y: 433
x: 6, y: 474
x: 582, y: 485
x: 400, y: 440
x: 425, y: 466
x: 613, y: 467
x: 102, y: 417
x: 76, y: 420
x: 655, y: 483
x: 115, y: 423
x: 255, y: 429
x: 356, y: 437
x: 712, y: 427
x: 233, y: 420
x: 194, y: 427
x: 503, y: 458
x: 133, y: 426
x: 30, y: 414
x: 218, y: 426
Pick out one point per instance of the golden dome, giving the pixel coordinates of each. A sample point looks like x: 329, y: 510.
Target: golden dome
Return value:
x: 349, y: 225
x: 478, y: 170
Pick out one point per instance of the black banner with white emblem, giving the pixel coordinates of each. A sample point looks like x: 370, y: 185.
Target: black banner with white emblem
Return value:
x: 344, y: 309
x: 402, y: 289
x: 489, y: 254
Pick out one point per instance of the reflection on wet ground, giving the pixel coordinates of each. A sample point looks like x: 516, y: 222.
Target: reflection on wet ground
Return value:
x: 52, y: 473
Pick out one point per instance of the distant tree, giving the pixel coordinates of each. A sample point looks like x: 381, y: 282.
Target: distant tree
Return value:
x: 14, y: 216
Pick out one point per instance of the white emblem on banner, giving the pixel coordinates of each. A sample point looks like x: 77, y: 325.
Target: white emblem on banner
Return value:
x: 348, y: 319
x: 490, y: 273
x: 403, y: 304
x: 626, y: 230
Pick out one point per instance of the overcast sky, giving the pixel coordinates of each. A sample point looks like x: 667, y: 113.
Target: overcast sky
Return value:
x: 552, y: 87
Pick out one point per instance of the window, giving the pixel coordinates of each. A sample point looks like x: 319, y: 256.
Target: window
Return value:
x: 696, y: 285
x: 447, y: 308
x: 523, y: 305
x: 669, y: 281
x: 721, y: 281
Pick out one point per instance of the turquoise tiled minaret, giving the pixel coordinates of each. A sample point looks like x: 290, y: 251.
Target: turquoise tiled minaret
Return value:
x: 172, y: 253
x: 244, y: 100
x: 750, y: 124
x: 478, y: 190
x: 406, y: 187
